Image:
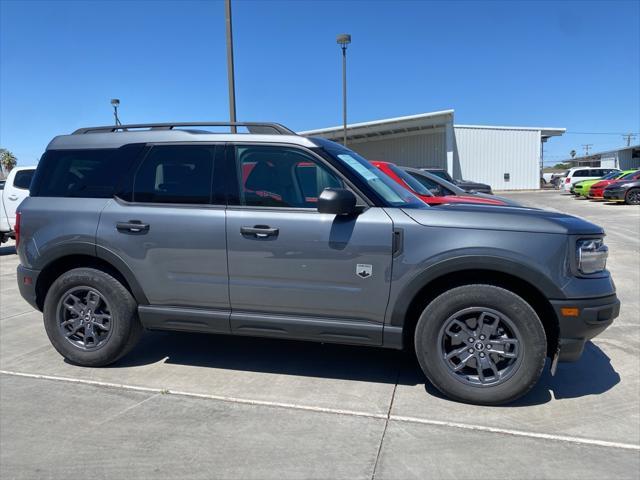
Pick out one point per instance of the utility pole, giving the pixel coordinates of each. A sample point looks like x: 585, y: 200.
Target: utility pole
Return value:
x: 230, y: 73
x: 587, y: 147
x: 628, y: 138
x: 343, y: 40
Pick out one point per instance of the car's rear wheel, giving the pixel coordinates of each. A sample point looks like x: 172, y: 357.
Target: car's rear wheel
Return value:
x: 481, y: 344
x: 90, y: 317
x: 632, y: 197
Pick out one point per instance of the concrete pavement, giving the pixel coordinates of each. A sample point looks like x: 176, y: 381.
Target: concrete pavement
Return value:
x: 199, y: 406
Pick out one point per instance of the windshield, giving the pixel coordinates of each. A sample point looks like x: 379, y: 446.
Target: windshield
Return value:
x: 442, y: 174
x: 629, y: 175
x: 378, y: 181
x: 441, y: 184
x: 414, y: 184
x: 611, y: 175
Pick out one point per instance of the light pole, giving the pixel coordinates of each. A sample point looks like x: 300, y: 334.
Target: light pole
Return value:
x: 230, y: 74
x: 343, y: 40
x: 116, y: 103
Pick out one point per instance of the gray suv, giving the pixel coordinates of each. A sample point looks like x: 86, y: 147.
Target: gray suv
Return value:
x: 263, y: 232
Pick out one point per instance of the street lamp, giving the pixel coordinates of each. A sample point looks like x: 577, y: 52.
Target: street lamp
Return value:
x: 343, y: 40
x: 116, y: 103
x: 230, y: 69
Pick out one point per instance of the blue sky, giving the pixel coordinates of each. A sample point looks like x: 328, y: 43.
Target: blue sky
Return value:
x: 561, y: 64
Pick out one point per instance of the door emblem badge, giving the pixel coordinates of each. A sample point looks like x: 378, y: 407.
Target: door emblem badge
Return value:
x: 364, y: 270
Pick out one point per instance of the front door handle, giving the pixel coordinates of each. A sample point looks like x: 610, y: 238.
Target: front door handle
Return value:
x: 13, y: 197
x: 260, y: 231
x: 134, y: 226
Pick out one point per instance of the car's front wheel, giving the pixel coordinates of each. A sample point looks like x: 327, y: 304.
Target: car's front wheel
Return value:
x: 90, y: 317
x: 481, y: 344
x: 632, y: 196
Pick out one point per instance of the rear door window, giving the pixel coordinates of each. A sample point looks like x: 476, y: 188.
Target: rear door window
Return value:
x: 23, y: 179
x: 177, y: 174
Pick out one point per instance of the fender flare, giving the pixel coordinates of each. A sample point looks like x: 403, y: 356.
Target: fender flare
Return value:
x: 521, y: 270
x: 87, y: 249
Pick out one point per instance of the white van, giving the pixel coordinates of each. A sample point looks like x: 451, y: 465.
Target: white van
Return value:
x: 16, y: 189
x: 578, y: 174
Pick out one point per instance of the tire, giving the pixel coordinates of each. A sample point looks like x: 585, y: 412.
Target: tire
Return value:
x: 104, y: 333
x: 517, y: 368
x: 632, y: 197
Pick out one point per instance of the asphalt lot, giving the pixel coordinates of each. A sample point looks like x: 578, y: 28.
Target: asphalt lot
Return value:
x: 198, y: 406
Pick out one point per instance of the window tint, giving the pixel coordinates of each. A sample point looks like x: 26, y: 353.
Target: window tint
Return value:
x: 175, y: 174
x: 281, y: 177
x: 581, y: 173
x: 23, y: 179
x: 82, y: 173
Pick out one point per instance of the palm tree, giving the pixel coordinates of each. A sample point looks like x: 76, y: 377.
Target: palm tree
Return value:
x: 7, y: 160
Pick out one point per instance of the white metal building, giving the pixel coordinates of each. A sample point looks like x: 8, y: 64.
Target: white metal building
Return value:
x: 503, y: 157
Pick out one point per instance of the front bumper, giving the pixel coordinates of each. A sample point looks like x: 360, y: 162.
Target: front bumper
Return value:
x: 27, y: 280
x: 593, y: 317
x: 616, y: 195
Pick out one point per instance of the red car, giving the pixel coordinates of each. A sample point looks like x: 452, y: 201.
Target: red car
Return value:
x: 415, y: 187
x: 597, y: 189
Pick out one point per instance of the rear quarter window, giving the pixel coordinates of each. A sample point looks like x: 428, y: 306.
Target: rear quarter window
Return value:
x: 90, y: 173
x: 23, y: 179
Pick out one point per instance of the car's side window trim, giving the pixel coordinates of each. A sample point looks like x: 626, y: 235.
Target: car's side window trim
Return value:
x: 234, y: 195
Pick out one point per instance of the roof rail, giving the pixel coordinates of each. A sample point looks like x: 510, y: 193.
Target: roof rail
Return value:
x: 253, y: 127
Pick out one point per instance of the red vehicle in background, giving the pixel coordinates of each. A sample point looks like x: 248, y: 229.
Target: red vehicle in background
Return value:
x: 597, y: 189
x: 415, y: 187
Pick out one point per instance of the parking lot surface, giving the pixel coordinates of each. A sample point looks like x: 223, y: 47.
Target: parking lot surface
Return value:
x: 201, y: 406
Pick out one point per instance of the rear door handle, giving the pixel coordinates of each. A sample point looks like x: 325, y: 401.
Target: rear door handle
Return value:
x: 13, y: 197
x: 134, y: 226
x: 260, y: 231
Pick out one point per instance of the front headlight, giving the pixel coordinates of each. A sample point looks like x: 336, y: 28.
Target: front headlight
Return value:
x: 592, y: 255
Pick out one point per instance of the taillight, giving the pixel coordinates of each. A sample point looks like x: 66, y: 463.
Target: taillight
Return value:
x: 567, y: 180
x: 16, y: 228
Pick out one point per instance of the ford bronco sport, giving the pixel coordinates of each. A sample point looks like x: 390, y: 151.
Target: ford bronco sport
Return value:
x: 268, y: 233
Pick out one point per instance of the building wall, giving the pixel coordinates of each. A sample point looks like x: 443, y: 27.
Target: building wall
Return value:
x: 407, y: 149
x: 627, y: 161
x: 485, y: 154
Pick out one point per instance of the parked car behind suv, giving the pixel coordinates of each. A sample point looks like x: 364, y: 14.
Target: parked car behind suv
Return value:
x: 596, y: 191
x: 578, y: 174
x: 423, y: 193
x: 12, y: 193
x: 466, y: 185
x: 438, y: 186
x: 627, y: 190
x: 274, y: 234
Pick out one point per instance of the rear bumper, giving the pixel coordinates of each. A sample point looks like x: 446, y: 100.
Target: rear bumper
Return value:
x: 594, y: 316
x: 27, y: 280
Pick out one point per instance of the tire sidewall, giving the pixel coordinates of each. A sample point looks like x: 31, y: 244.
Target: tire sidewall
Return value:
x: 626, y: 197
x: 532, y: 343
x: 122, y: 309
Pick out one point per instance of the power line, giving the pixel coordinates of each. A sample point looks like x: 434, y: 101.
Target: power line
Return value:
x: 598, y: 133
x: 587, y: 147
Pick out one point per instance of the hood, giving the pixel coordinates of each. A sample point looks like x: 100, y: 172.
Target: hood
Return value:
x: 489, y: 217
x: 504, y: 200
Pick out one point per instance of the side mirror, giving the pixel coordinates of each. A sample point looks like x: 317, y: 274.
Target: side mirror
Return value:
x: 338, y: 201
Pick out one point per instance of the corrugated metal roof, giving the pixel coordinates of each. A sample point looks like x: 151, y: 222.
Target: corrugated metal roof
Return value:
x: 385, y: 126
